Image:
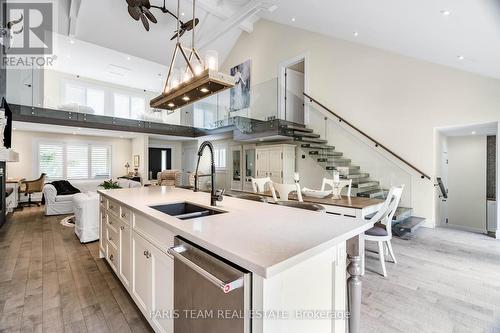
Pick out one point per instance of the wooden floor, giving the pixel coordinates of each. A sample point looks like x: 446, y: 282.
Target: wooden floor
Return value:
x: 49, y: 282
x: 445, y: 281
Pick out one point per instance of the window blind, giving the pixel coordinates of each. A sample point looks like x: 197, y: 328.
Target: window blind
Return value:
x: 74, y: 160
x: 100, y: 161
x: 77, y: 161
x: 50, y: 160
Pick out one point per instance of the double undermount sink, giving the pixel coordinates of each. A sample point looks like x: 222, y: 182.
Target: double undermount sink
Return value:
x: 186, y: 210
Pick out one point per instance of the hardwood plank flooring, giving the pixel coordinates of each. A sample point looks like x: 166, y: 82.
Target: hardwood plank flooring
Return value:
x: 49, y: 282
x: 445, y: 281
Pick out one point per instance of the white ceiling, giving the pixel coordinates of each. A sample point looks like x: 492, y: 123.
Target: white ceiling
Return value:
x: 413, y: 28
x: 471, y: 129
x: 107, y: 36
x: 108, y: 24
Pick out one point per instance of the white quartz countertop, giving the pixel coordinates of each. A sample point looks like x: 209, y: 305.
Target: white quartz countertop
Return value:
x: 265, y: 239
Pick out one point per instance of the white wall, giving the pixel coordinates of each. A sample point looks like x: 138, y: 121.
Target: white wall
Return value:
x: 467, y: 182
x: 396, y: 99
x: 25, y: 144
x: 140, y: 148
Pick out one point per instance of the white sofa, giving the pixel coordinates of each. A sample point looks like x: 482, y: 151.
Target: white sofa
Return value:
x: 63, y: 204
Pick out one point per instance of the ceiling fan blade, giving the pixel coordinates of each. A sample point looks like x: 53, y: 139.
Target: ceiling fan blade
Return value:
x: 145, y: 3
x: 149, y: 15
x: 189, y: 25
x: 135, y: 12
x: 134, y: 3
x: 145, y: 22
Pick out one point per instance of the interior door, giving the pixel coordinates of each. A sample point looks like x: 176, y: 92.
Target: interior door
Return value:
x: 294, y: 87
x: 275, y: 164
x: 142, y: 273
x: 162, y: 293
x: 262, y: 163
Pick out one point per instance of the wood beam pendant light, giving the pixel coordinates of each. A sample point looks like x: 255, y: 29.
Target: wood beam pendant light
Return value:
x: 198, y: 81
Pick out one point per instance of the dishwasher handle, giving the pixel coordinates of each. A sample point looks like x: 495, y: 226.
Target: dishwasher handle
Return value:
x: 176, y: 252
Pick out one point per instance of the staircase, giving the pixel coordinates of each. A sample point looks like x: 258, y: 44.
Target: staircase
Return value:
x: 404, y: 223
x: 331, y: 159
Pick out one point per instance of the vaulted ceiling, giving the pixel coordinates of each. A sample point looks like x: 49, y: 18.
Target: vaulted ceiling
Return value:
x: 463, y: 34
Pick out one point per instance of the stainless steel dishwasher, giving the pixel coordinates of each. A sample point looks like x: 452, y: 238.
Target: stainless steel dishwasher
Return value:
x: 211, y: 295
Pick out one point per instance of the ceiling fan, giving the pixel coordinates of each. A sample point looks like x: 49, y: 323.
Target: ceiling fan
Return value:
x: 140, y: 10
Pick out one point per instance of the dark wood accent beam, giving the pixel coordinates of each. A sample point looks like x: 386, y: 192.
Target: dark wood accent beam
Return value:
x: 76, y: 119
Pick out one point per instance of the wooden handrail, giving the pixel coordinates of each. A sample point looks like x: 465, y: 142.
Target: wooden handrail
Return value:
x: 377, y: 144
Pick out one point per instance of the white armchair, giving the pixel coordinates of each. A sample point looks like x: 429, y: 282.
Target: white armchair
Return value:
x: 57, y: 204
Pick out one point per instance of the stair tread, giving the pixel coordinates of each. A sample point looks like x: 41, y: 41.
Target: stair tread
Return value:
x: 357, y: 176
x: 330, y: 154
x: 367, y: 184
x: 298, y: 128
x: 323, y: 147
x: 305, y: 135
x: 311, y: 140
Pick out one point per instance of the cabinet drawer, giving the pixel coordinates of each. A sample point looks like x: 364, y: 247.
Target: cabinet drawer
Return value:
x: 126, y: 215
x: 113, y: 235
x: 112, y: 257
x: 157, y: 232
x: 114, y: 207
x: 103, y: 201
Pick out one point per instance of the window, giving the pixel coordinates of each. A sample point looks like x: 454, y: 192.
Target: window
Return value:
x: 84, y: 96
x: 220, y: 157
x: 77, y: 162
x: 74, y: 160
x: 131, y: 107
x: 50, y: 160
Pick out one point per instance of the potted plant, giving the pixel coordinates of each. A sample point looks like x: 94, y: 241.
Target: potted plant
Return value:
x: 110, y: 184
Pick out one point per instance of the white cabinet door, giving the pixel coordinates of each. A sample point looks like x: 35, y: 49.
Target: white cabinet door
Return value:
x: 262, y: 163
x: 125, y: 254
x: 142, y: 272
x: 102, y: 231
x: 275, y: 164
x: 162, y: 293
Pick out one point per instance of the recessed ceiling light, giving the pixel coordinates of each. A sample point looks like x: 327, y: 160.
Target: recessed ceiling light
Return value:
x: 460, y: 57
x: 185, y: 98
x: 171, y: 105
x: 355, y: 33
x: 71, y: 41
x: 204, y: 90
x: 183, y: 14
x: 14, y: 129
x: 473, y: 132
x: 445, y: 12
x: 293, y: 19
x: 128, y: 58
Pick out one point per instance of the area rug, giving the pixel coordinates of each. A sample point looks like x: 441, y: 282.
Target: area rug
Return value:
x: 68, y: 221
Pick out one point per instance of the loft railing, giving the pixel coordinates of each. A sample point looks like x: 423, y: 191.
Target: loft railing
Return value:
x: 377, y: 143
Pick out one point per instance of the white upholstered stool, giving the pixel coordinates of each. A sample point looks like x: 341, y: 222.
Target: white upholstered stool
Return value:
x: 86, y: 207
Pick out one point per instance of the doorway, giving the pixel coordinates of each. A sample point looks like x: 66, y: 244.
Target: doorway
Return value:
x: 464, y: 171
x: 159, y: 159
x: 292, y: 86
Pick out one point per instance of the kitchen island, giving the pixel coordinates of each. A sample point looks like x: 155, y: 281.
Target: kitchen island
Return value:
x: 297, y: 258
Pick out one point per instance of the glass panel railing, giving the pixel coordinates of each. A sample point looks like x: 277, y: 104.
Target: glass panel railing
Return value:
x: 372, y: 170
x: 231, y: 108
